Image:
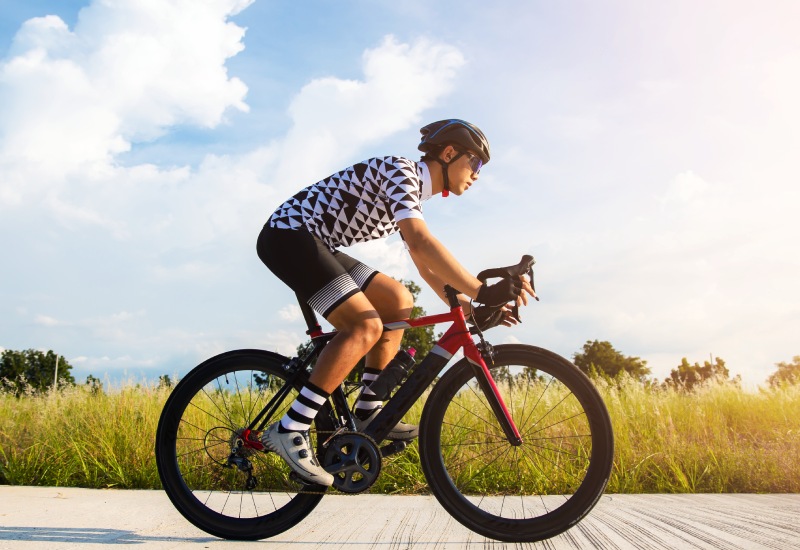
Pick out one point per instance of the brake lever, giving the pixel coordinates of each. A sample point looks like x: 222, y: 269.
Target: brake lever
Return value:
x: 533, y: 286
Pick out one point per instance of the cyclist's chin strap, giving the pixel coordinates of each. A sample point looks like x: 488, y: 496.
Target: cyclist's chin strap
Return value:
x: 445, y: 176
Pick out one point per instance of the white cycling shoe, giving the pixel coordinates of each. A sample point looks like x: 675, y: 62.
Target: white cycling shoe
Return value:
x: 401, y: 432
x: 293, y: 447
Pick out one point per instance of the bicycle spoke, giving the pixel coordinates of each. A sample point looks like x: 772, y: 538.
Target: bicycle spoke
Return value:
x: 212, y: 416
x: 473, y: 413
x: 539, y: 400
x: 221, y: 393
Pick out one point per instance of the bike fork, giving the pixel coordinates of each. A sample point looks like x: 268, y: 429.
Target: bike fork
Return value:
x: 489, y: 389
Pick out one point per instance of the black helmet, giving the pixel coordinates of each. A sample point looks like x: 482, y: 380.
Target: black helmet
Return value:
x: 454, y: 131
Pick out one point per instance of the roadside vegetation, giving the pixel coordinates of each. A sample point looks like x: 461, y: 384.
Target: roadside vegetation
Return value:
x: 715, y: 438
x: 696, y: 431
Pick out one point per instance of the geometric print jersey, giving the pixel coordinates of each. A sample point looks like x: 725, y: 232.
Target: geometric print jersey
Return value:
x: 361, y: 203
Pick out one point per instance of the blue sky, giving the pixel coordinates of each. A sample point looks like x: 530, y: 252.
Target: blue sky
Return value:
x: 645, y: 154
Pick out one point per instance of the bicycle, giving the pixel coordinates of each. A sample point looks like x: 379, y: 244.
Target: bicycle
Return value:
x: 515, y: 442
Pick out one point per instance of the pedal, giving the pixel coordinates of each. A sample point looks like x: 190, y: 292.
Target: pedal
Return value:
x: 393, y: 448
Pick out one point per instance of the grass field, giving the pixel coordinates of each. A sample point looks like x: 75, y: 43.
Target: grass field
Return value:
x: 716, y: 439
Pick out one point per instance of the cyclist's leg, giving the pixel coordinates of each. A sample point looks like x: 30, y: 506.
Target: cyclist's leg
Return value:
x: 390, y: 298
x: 393, y: 302
x: 306, y: 265
x: 358, y: 328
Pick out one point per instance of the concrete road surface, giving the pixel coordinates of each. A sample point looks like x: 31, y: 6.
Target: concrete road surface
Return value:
x: 56, y: 518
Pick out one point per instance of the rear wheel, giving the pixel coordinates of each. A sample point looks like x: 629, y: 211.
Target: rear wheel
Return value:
x: 517, y: 493
x: 216, y: 472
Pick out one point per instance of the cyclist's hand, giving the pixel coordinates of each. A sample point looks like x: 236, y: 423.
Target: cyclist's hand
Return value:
x: 486, y: 317
x: 500, y: 293
x: 527, y: 289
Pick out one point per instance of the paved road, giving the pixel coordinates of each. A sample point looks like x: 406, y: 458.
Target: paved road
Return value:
x: 46, y: 518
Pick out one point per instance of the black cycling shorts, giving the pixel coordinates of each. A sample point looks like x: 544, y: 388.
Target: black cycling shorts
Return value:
x: 320, y: 277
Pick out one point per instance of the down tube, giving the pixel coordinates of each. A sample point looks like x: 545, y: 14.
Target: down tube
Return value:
x: 408, y: 394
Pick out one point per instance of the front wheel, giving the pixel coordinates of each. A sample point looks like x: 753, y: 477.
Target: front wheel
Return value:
x: 519, y: 493
x: 213, y: 469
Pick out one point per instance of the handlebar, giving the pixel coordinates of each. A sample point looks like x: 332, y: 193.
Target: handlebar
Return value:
x: 524, y: 267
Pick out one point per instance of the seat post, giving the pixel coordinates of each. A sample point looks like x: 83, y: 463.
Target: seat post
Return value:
x: 310, y: 317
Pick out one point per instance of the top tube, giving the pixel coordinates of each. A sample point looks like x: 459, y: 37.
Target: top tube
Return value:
x: 315, y: 330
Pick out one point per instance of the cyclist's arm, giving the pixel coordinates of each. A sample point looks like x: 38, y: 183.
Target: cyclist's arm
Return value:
x: 437, y: 284
x: 436, y: 265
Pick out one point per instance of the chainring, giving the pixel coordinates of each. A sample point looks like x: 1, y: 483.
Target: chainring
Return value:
x: 354, y: 459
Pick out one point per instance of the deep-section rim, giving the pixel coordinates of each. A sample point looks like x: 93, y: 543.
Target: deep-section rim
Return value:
x: 506, y: 529
x: 182, y: 496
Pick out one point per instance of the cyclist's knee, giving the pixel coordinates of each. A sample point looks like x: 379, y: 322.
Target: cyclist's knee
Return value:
x: 373, y: 328
x: 395, y: 302
x: 405, y: 301
x: 366, y: 332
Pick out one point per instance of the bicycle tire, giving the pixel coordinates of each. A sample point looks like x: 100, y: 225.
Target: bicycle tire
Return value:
x: 201, y: 419
x: 533, y: 491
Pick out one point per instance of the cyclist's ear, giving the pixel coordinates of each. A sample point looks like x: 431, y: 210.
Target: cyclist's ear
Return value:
x: 447, y: 153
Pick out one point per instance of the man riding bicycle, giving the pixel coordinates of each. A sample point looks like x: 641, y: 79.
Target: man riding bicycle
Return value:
x: 370, y: 200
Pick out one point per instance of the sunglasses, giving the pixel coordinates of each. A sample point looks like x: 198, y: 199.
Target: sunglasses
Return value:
x: 475, y: 163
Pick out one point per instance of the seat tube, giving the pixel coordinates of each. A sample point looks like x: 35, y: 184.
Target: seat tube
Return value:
x: 492, y: 393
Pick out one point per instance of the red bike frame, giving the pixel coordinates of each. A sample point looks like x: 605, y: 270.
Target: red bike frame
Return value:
x: 456, y: 337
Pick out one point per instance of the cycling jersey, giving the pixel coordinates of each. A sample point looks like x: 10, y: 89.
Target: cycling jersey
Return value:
x: 360, y: 203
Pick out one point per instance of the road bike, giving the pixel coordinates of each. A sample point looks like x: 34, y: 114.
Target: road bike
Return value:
x: 515, y: 442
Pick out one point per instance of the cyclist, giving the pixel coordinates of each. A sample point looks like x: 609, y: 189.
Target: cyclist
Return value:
x: 370, y: 200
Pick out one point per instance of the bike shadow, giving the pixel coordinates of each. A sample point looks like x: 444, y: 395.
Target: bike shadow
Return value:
x: 98, y: 535
x: 86, y: 535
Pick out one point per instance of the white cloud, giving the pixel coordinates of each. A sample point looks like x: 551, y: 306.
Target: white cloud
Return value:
x: 290, y: 313
x: 700, y: 268
x: 127, y: 72
x: 334, y: 118
x: 387, y: 256
x: 179, y: 230
x: 685, y: 187
x: 46, y: 321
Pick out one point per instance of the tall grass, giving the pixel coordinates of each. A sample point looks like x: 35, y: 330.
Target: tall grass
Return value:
x: 719, y: 438
x: 76, y: 437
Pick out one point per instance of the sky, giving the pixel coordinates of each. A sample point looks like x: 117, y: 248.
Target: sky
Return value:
x: 644, y: 153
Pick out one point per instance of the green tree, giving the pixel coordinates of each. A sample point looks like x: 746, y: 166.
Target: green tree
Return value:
x: 94, y: 384
x: 787, y: 373
x: 687, y: 376
x: 600, y: 358
x: 21, y: 370
x: 421, y: 339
